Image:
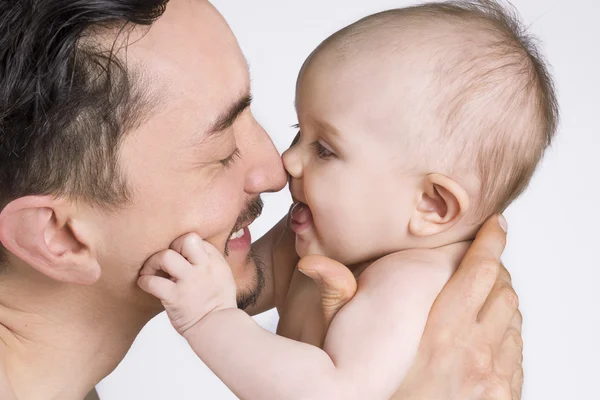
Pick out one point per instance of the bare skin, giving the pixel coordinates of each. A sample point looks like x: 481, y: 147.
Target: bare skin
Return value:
x: 492, y: 307
x: 215, y: 329
x: 302, y: 316
x: 86, y: 300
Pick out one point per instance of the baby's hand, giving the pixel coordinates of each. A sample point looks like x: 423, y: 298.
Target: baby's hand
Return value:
x: 198, y: 281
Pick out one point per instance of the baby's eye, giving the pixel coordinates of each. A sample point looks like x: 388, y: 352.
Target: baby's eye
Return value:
x: 322, y: 151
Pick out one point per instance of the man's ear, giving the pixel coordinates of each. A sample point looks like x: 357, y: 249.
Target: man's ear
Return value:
x: 40, y: 231
x: 442, y: 204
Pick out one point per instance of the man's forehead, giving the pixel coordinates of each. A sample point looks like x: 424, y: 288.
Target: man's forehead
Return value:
x: 192, y: 63
x: 197, y: 77
x: 190, y: 38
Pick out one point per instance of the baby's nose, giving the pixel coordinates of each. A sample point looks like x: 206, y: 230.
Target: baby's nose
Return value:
x: 292, y: 162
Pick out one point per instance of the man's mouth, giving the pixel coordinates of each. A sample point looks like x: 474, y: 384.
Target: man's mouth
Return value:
x: 237, y: 235
x: 240, y: 238
x: 239, y: 241
x: 301, y: 217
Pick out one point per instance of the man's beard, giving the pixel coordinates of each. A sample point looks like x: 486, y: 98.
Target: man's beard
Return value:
x: 249, y: 295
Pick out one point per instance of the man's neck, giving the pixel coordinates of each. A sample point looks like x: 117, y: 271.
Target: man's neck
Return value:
x: 59, y: 341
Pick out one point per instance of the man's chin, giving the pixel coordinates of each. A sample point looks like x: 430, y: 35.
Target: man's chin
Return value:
x: 248, y: 271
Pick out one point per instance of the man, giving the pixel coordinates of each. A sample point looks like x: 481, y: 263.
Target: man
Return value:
x: 125, y: 124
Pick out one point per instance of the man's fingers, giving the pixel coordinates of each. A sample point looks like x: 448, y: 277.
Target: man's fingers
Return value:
x: 509, y: 356
x: 504, y: 274
x: 517, y: 384
x: 156, y: 286
x: 168, y: 261
x: 336, y: 283
x: 499, y: 308
x: 467, y: 290
x: 517, y: 321
x: 191, y: 246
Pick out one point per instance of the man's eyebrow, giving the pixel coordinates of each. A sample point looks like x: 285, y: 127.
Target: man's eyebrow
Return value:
x: 227, y: 118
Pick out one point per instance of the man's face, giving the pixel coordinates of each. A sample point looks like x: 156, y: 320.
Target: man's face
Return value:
x: 199, y: 160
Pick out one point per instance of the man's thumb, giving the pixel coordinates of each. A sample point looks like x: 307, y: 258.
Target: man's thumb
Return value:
x: 336, y: 283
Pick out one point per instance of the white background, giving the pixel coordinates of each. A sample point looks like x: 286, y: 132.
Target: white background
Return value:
x: 554, y: 228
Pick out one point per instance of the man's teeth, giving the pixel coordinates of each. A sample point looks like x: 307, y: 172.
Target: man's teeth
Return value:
x: 237, y: 235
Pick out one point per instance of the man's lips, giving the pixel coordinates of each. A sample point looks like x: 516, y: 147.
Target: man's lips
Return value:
x: 240, y: 240
x: 301, y: 217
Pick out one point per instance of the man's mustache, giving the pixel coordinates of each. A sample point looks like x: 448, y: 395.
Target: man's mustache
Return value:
x: 253, y: 210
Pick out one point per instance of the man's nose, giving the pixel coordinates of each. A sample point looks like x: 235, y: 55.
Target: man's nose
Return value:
x: 266, y: 172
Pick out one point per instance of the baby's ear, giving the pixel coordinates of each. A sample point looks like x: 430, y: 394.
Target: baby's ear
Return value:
x: 442, y: 204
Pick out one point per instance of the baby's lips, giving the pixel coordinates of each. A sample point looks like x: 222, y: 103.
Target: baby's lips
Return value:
x: 300, y: 213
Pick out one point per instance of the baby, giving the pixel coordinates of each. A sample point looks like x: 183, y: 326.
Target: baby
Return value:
x: 416, y: 125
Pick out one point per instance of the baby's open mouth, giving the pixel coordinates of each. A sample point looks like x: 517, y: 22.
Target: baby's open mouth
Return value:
x: 301, y: 217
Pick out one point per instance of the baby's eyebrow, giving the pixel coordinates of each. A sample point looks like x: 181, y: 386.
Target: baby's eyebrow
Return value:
x: 327, y: 128
x: 323, y: 127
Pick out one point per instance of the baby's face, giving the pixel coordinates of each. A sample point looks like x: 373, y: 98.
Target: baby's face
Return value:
x: 350, y: 167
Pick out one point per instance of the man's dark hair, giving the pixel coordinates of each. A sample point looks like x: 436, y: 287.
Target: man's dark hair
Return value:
x: 65, y: 97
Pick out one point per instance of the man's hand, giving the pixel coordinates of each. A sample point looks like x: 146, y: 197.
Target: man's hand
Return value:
x: 198, y: 281
x: 471, y: 347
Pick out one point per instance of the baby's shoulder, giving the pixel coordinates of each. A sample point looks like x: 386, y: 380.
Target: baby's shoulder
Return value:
x: 418, y: 266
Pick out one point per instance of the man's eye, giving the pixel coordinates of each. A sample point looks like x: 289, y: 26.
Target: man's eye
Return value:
x: 322, y: 151
x: 228, y: 162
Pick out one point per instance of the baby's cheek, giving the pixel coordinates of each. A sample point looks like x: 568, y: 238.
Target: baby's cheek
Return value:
x: 327, y: 194
x: 324, y: 207
x: 338, y: 227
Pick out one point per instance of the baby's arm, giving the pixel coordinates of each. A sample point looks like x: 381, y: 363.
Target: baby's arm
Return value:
x: 375, y: 338
x: 369, y: 347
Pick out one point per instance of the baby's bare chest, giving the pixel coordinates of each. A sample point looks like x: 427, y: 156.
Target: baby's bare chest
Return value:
x: 301, y: 317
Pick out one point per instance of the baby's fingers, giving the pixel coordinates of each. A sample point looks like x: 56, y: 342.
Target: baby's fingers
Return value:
x: 168, y: 261
x: 192, y: 247
x: 162, y: 288
x: 213, y: 252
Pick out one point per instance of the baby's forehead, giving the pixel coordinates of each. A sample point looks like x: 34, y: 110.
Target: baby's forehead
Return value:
x: 411, y: 82
x: 397, y: 34
x: 398, y: 81
x: 428, y: 63
x: 414, y: 57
